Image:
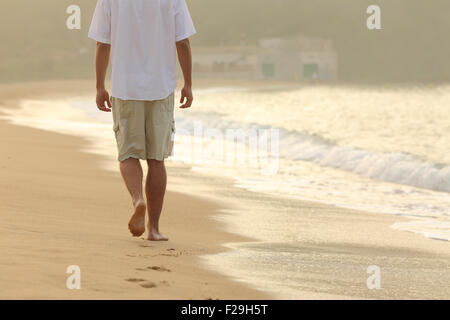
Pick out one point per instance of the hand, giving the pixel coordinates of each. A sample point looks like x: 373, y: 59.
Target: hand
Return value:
x: 186, y: 94
x: 102, y: 97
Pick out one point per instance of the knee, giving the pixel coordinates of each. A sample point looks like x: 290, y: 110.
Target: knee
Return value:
x: 129, y: 161
x: 155, y: 163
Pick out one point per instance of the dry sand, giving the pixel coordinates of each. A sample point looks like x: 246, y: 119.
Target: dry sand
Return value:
x: 59, y: 208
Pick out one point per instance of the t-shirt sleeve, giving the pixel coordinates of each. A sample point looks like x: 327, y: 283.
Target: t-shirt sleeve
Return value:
x: 184, y: 27
x: 100, y: 29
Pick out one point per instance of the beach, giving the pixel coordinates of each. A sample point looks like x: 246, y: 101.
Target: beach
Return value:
x: 60, y: 207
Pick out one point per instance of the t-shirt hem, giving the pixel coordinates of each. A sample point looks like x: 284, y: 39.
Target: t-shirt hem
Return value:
x: 148, y: 98
x: 185, y: 36
x: 99, y: 39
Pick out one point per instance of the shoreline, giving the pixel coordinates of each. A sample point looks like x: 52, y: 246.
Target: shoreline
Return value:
x: 39, y: 240
x: 333, y: 239
x: 334, y: 248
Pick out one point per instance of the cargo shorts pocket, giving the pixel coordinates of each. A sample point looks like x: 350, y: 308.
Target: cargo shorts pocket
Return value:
x: 116, y: 119
x: 170, y: 140
x: 173, y: 131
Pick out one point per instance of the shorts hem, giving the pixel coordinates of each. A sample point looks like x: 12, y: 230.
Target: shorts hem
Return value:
x: 126, y: 157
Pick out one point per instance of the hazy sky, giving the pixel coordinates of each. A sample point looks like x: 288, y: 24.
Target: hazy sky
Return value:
x: 413, y: 44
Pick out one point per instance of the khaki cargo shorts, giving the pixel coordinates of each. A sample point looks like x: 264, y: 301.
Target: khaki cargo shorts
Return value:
x: 144, y: 129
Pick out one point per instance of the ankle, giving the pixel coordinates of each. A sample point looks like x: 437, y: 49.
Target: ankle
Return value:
x: 138, y: 201
x: 153, y: 228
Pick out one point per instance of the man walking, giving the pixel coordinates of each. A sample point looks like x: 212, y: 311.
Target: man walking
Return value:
x: 142, y: 38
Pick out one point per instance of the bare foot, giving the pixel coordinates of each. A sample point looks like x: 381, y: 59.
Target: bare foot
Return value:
x: 154, y: 235
x: 137, y: 221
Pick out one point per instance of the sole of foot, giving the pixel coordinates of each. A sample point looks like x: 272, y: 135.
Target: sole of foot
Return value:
x: 136, y: 225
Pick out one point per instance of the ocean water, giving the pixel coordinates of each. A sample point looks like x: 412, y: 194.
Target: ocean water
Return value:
x: 375, y: 149
x: 266, y: 150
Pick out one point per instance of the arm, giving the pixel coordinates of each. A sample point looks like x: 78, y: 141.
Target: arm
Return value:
x: 101, y: 66
x: 185, y: 59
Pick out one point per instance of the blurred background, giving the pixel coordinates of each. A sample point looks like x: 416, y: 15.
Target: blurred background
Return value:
x: 319, y: 40
x: 357, y: 118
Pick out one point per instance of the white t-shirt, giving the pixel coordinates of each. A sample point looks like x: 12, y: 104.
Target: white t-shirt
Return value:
x: 142, y: 34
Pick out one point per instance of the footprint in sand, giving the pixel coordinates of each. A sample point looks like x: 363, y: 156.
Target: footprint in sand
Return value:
x: 148, y: 285
x: 135, y: 280
x: 172, y: 253
x: 157, y: 268
x: 141, y: 269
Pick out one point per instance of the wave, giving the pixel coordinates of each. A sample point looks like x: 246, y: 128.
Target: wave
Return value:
x: 395, y: 167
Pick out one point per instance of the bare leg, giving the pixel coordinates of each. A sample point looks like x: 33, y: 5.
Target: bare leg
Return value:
x: 131, y: 171
x: 155, y: 188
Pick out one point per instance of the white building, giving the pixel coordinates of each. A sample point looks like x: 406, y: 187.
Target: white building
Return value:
x: 289, y: 59
x: 225, y: 62
x: 297, y: 58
